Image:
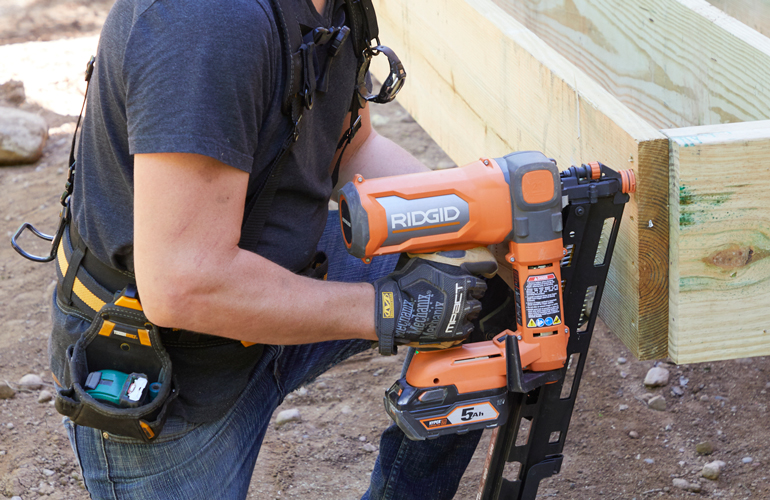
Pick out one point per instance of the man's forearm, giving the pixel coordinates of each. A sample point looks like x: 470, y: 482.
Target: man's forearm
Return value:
x: 250, y: 298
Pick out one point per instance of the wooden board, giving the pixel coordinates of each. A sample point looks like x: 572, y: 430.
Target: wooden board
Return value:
x: 720, y: 242
x: 753, y: 13
x: 676, y: 63
x: 481, y: 84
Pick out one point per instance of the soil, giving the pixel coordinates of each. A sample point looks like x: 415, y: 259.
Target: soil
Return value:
x: 331, y: 451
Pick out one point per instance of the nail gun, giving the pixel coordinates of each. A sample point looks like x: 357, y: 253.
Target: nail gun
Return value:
x: 553, y: 234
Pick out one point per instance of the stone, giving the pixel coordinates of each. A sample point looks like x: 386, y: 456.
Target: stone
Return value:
x: 680, y: 483
x: 657, y: 376
x: 287, y: 416
x: 622, y: 361
x: 677, y: 391
x: 747, y: 460
x: 302, y: 391
x: 6, y: 392
x: 362, y: 439
x: 31, y: 381
x: 694, y: 487
x: 657, y: 403
x: 44, y: 396
x: 22, y: 136
x: 622, y: 407
x: 704, y: 448
x: 369, y: 448
x: 12, y: 92
x: 633, y: 435
x: 346, y: 410
x: 712, y: 470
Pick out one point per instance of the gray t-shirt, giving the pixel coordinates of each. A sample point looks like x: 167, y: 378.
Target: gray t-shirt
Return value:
x: 208, y: 78
x: 204, y: 77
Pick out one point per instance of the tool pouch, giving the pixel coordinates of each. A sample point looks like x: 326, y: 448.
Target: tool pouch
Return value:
x: 120, y: 338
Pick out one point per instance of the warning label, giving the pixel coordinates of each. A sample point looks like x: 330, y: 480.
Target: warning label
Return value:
x: 541, y: 300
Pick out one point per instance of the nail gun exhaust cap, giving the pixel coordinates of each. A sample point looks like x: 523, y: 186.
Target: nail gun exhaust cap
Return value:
x: 629, y: 181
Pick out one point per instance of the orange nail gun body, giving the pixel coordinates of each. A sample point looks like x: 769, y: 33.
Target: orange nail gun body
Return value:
x: 514, y: 205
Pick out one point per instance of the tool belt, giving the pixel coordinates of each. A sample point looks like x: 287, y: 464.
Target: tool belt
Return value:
x: 120, y: 340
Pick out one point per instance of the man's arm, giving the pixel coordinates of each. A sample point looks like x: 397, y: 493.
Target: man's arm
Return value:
x: 192, y: 275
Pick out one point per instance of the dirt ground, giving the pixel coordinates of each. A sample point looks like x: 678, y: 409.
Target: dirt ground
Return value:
x: 617, y: 447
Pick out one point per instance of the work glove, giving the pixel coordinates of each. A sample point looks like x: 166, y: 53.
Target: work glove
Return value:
x: 430, y: 302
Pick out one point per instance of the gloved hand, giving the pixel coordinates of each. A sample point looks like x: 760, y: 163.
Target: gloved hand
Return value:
x: 430, y: 302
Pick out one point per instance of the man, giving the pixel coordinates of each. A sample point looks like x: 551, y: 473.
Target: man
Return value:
x: 184, y: 115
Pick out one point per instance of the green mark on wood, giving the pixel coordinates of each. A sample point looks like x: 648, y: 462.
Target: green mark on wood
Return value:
x: 693, y: 205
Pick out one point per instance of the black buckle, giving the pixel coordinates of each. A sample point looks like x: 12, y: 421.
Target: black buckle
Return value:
x: 54, y: 239
x: 393, y: 84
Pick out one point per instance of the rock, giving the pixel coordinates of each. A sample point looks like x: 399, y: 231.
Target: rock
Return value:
x: 657, y: 403
x: 369, y: 448
x: 704, y: 398
x: 747, y: 460
x: 44, y: 488
x: 680, y: 483
x: 712, y: 470
x: 321, y: 385
x: 12, y: 92
x: 633, y: 435
x: 694, y: 487
x: 362, y: 439
x: 622, y: 361
x: 6, y: 392
x: 649, y: 460
x: 44, y: 397
x: 622, y: 407
x: 22, y: 136
x: 287, y: 416
x: 704, y: 448
x: 346, y: 410
x: 48, y: 472
x: 31, y: 381
x: 657, y: 376
x: 302, y: 391
x: 677, y: 391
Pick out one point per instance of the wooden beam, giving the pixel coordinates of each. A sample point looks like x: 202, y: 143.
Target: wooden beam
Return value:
x: 481, y: 84
x: 720, y: 242
x: 676, y: 63
x: 753, y: 13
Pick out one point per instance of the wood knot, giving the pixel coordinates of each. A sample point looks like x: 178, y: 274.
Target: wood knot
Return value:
x: 735, y: 256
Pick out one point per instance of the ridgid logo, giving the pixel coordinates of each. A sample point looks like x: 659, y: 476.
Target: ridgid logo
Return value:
x: 420, y: 218
x: 408, y: 219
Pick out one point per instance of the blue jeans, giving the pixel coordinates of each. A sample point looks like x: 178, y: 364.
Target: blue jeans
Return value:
x: 216, y: 459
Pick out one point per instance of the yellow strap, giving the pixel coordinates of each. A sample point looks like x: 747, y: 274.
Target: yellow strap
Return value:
x: 78, y: 288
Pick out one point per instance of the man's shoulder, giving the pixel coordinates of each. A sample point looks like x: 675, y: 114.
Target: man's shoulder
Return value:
x: 231, y: 17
